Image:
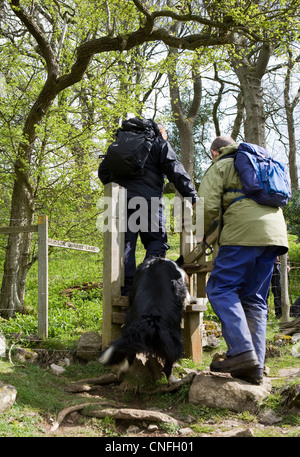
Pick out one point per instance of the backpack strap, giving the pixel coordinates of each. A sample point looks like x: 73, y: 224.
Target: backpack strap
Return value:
x: 237, y: 198
x: 232, y: 156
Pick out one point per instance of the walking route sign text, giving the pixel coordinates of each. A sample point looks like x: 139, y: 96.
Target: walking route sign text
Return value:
x: 69, y: 245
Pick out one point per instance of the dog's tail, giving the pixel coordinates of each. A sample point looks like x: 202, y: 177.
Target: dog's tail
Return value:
x: 137, y: 338
x: 113, y: 355
x: 120, y: 350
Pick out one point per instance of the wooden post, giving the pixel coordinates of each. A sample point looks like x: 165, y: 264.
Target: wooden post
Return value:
x: 285, y: 303
x: 192, y: 317
x: 43, y: 276
x: 186, y: 234
x: 113, y: 259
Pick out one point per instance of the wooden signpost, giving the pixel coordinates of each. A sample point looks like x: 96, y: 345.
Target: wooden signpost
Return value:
x: 43, y: 243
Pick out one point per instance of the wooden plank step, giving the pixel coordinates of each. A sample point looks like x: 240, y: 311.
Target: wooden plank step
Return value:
x: 196, y: 305
x: 193, y: 268
x: 120, y: 301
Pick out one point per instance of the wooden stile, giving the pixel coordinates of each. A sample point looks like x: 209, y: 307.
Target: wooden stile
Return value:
x: 114, y: 305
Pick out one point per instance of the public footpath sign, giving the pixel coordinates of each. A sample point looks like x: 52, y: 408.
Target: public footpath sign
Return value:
x: 69, y: 245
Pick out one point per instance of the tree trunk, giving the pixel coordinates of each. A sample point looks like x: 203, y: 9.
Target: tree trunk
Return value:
x: 254, y: 127
x: 289, y: 110
x: 187, y: 145
x: 239, y: 118
x: 17, y: 255
x: 250, y: 70
x: 185, y: 122
x: 18, y: 248
x: 292, y: 149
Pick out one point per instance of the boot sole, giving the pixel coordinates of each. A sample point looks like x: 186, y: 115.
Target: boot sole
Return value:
x: 255, y: 381
x: 244, y: 367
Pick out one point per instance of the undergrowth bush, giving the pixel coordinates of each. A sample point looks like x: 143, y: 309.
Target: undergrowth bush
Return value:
x: 292, y: 214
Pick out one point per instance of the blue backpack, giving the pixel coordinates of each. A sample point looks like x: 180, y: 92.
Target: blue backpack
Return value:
x: 264, y: 179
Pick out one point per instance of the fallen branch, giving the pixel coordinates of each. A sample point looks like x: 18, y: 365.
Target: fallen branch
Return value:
x: 9, y: 354
x: 10, y: 359
x: 85, y: 286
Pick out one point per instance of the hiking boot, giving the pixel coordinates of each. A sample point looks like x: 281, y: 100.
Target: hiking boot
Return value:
x: 253, y: 376
x: 236, y: 364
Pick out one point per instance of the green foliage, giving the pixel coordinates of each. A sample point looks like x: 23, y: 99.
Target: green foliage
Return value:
x: 108, y: 426
x: 292, y: 214
x: 65, y: 323
x: 74, y: 130
x: 169, y: 428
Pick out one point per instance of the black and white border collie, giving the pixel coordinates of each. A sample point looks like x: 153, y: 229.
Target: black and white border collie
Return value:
x: 153, y: 319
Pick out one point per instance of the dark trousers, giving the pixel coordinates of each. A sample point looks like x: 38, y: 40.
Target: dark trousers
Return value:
x: 150, y: 226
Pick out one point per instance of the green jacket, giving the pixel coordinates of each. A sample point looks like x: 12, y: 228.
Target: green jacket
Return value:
x: 245, y: 222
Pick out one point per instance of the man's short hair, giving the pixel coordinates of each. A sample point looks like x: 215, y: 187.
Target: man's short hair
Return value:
x: 221, y: 142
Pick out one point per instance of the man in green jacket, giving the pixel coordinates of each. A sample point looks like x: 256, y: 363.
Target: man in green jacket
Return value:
x: 251, y: 236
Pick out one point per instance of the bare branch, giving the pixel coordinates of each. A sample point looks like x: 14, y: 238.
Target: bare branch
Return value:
x: 44, y: 47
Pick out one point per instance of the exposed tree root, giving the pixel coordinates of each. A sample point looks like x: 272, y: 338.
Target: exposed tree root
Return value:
x: 133, y: 414
x: 62, y: 414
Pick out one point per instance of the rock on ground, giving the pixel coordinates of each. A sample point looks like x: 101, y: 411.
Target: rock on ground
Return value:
x: 8, y: 395
x: 220, y: 390
x: 89, y: 346
x: 291, y: 397
x: 26, y: 355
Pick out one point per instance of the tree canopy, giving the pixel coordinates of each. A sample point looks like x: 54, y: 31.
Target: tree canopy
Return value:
x: 70, y: 70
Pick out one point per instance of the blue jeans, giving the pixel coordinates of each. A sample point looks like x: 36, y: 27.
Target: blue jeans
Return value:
x: 153, y: 237
x: 237, y: 290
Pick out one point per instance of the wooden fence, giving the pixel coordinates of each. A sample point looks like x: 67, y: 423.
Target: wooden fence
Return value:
x: 43, y: 242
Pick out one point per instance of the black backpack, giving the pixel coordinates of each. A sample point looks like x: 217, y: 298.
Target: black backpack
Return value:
x: 127, y: 155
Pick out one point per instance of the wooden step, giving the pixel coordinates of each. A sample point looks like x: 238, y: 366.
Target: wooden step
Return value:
x: 196, y: 305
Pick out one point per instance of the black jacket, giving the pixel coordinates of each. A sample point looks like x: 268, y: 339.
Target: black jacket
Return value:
x: 162, y: 161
